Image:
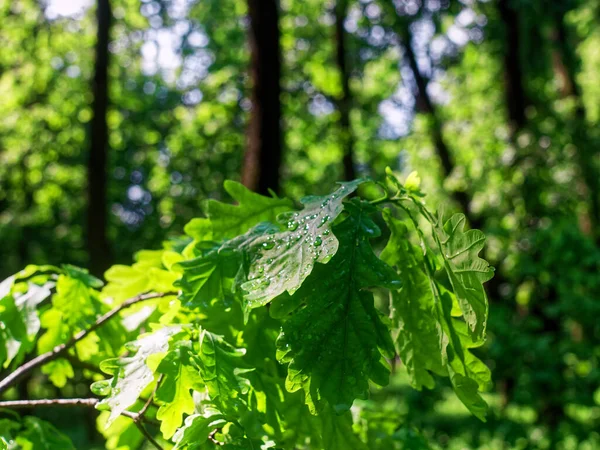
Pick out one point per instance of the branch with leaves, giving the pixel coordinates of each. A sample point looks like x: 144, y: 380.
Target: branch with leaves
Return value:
x: 206, y: 352
x: 138, y: 418
x: 59, y: 350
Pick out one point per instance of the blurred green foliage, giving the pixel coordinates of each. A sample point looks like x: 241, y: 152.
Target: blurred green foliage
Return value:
x: 179, y: 106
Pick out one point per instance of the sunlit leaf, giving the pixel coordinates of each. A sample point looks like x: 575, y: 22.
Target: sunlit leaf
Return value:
x: 334, y: 339
x: 131, y: 374
x: 466, y: 270
x: 283, y: 260
x: 223, y: 372
x: 174, y: 395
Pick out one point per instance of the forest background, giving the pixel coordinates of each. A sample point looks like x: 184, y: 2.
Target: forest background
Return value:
x: 118, y: 118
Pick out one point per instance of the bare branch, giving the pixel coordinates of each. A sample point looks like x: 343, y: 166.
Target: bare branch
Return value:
x: 18, y: 404
x: 62, y: 348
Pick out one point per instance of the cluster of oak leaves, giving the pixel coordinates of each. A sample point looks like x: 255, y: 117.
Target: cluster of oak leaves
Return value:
x: 268, y: 329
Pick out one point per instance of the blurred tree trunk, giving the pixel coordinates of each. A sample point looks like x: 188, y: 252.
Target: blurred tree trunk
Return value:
x: 516, y: 98
x: 97, y: 214
x: 344, y: 103
x: 566, y: 65
x: 262, y: 160
x: 426, y: 106
x: 551, y: 408
x: 516, y: 103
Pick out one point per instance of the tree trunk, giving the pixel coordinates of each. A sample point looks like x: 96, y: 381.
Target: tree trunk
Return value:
x: 344, y: 103
x: 262, y: 160
x: 516, y: 99
x: 97, y: 215
x: 425, y: 104
x: 565, y: 65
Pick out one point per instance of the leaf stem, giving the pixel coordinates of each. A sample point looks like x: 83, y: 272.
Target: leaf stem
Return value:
x: 62, y: 348
x: 151, y: 397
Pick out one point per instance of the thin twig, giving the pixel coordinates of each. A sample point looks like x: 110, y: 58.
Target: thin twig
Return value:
x: 151, y: 397
x: 211, y: 437
x: 137, y: 418
x: 147, y: 435
x: 60, y: 349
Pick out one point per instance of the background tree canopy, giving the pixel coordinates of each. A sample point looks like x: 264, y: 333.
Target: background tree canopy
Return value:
x: 119, y: 119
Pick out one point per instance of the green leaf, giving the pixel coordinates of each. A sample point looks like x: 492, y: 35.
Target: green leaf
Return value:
x: 413, y: 181
x: 40, y: 435
x: 337, y: 432
x: 122, y: 434
x: 410, y: 439
x: 223, y: 372
x: 334, y: 338
x: 76, y: 306
x: 12, y: 330
x: 6, y: 286
x: 413, y: 310
x: 82, y: 275
x: 131, y: 374
x: 282, y: 261
x: 467, y: 272
x: 126, y: 282
x: 8, y: 431
x: 209, y: 281
x: 230, y: 220
x: 19, y: 320
x: 146, y: 274
x: 74, y: 300
x: 179, y: 378
x: 200, y: 229
x: 467, y: 373
x: 59, y: 372
x: 27, y: 304
x: 194, y: 434
x: 426, y: 335
x: 208, y: 277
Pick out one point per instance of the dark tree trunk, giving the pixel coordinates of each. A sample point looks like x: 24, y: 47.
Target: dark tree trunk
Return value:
x: 262, y: 160
x: 516, y: 98
x: 344, y: 103
x: 426, y: 106
x: 97, y: 215
x: 516, y: 102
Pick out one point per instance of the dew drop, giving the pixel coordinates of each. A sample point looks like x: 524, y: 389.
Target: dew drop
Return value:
x: 268, y: 245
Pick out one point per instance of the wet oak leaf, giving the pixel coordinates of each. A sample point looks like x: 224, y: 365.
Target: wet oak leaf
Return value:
x: 281, y: 261
x: 333, y: 338
x: 131, y: 374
